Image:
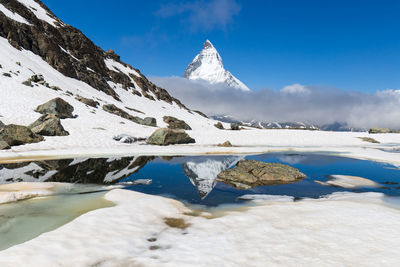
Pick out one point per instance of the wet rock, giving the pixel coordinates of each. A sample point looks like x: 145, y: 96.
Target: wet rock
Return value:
x: 48, y: 125
x: 174, y: 123
x: 381, y: 130
x: 4, y: 145
x: 58, y: 107
x: 166, y: 136
x: 16, y: 135
x: 251, y: 173
x: 235, y: 126
x: 225, y: 144
x: 88, y: 101
x: 219, y: 125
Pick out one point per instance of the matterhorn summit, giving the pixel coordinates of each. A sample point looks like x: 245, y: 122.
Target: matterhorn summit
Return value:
x: 207, y: 65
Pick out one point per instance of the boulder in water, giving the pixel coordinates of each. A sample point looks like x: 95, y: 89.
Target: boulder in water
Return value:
x: 252, y: 173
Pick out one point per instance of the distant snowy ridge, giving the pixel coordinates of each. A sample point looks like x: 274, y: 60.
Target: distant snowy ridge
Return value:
x: 207, y: 65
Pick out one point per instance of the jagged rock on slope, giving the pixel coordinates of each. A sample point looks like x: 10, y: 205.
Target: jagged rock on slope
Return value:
x: 16, y: 135
x: 219, y: 125
x: 381, y: 130
x: 57, y: 106
x: 2, y: 124
x: 207, y: 65
x: 87, y: 101
x: 70, y: 52
x: 166, y: 136
x: 174, y: 123
x: 111, y: 108
x: 48, y: 125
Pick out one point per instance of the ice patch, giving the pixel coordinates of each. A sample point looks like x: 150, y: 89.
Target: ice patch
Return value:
x: 347, y: 181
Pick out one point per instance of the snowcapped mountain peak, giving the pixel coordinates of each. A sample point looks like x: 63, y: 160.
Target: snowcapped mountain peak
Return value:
x: 207, y: 45
x: 208, y: 66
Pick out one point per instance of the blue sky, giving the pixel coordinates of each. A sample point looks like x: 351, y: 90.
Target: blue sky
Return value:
x: 352, y: 45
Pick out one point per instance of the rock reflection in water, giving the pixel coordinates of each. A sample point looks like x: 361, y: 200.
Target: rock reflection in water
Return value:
x: 81, y: 170
x: 202, y: 172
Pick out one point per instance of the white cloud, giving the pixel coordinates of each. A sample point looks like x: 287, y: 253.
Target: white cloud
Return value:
x: 295, y: 89
x: 202, y: 15
x: 319, y: 106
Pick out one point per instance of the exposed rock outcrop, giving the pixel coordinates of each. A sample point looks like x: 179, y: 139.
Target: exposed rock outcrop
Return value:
x: 113, y: 109
x: 369, y: 140
x: 57, y: 106
x: 235, y: 126
x: 251, y: 173
x: 2, y: 124
x: 16, y: 135
x: 48, y: 125
x: 166, y: 136
x: 219, y: 125
x: 381, y: 130
x: 127, y: 139
x: 88, y: 101
x: 4, y: 145
x: 70, y: 52
x: 174, y: 123
x: 225, y: 144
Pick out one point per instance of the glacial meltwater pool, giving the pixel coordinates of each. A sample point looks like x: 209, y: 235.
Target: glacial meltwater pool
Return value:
x: 190, y: 179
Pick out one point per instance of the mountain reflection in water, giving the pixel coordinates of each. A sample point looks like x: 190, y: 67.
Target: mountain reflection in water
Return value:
x: 193, y: 179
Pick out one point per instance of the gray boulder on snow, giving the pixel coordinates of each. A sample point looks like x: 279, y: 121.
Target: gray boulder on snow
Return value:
x: 174, y: 123
x: 4, y: 145
x: 127, y: 139
x: 48, y: 125
x: 166, y: 136
x: 16, y: 135
x: 58, y: 107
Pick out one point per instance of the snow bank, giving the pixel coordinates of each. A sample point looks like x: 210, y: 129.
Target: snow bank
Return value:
x: 20, y: 191
x: 340, y: 230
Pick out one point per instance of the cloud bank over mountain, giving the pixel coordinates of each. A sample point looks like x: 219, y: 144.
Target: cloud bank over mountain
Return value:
x: 313, y: 104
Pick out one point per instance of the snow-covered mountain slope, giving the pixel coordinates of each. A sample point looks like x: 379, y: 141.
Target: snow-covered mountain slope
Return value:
x: 267, y: 125
x: 33, y: 41
x: 207, y: 65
